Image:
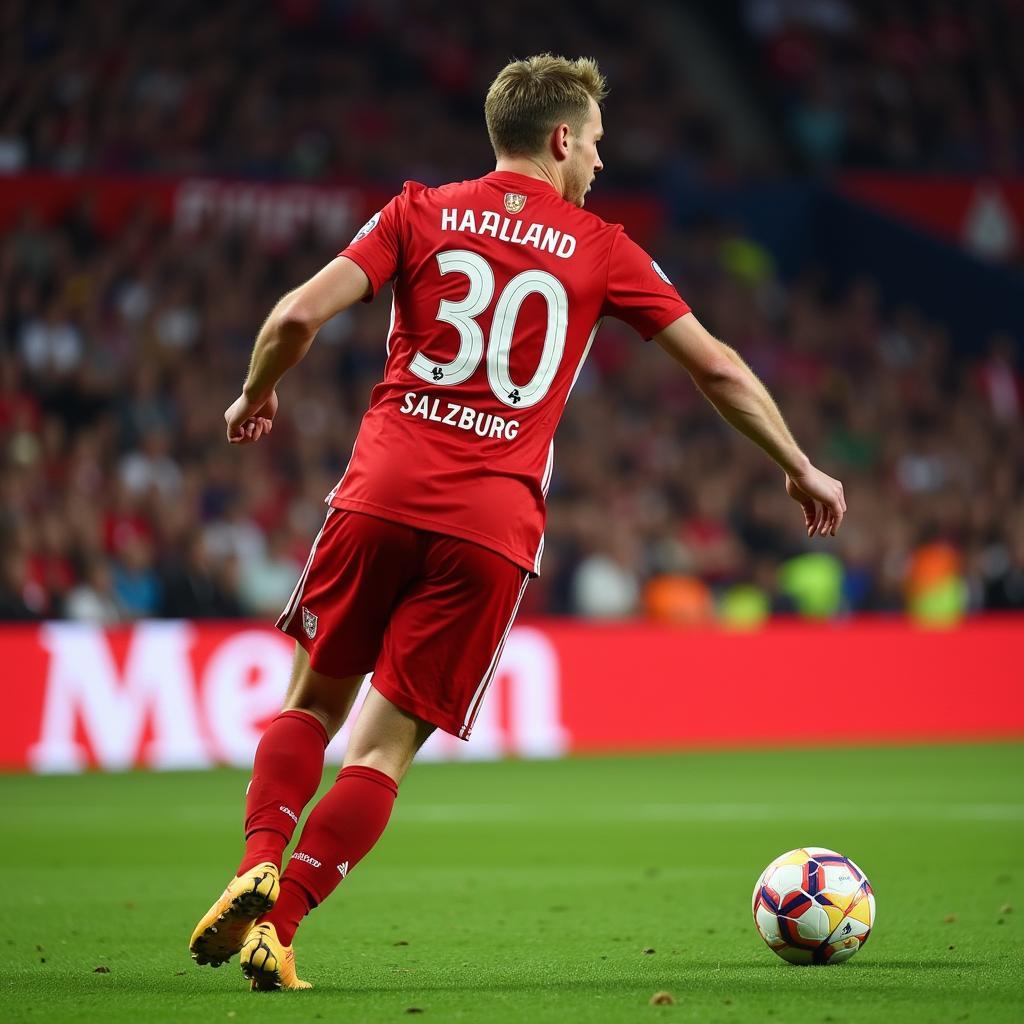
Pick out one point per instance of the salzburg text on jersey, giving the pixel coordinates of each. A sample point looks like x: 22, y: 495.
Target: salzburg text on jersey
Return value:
x: 462, y: 417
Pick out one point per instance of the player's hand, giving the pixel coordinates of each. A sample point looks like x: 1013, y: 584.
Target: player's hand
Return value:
x: 248, y: 421
x: 821, y: 498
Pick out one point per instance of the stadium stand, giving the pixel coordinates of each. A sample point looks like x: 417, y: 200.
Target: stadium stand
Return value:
x: 924, y: 85
x: 118, y: 355
x: 383, y: 91
x: 118, y: 360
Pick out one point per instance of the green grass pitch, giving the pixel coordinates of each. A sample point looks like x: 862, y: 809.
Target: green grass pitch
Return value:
x: 537, y: 891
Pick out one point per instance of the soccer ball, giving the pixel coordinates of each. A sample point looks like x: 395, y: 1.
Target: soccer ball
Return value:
x: 813, y: 906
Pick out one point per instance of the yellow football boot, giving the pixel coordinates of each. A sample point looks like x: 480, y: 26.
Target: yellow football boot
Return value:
x: 267, y: 962
x: 223, y: 928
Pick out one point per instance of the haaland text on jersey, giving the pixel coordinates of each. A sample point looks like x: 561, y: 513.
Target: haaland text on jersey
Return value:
x: 464, y: 417
x: 508, y: 230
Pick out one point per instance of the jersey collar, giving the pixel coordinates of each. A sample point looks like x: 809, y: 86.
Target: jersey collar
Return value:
x: 520, y: 182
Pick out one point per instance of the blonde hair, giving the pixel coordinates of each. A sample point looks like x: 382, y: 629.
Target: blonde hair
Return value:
x: 528, y: 98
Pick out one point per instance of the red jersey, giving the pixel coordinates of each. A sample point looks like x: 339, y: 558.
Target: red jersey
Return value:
x: 499, y: 288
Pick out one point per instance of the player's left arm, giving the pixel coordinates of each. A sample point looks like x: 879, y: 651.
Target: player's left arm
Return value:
x: 285, y: 338
x: 744, y: 402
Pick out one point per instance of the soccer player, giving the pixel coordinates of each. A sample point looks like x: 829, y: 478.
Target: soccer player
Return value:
x: 436, y: 527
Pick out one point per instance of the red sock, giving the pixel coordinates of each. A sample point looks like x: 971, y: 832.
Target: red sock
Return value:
x: 288, y: 767
x: 342, y: 829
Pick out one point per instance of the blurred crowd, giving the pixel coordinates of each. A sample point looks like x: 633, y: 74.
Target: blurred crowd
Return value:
x: 320, y: 89
x: 334, y: 89
x: 917, y: 84
x: 328, y: 89
x: 120, y: 499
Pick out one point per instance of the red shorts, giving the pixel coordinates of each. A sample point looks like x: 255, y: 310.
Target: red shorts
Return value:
x: 428, y: 614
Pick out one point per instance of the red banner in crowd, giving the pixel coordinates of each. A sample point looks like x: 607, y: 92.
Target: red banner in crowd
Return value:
x: 985, y: 216
x: 276, y: 212
x: 185, y: 695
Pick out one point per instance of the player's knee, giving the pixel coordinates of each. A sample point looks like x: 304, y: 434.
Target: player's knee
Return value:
x: 328, y: 699
x: 391, y: 754
x: 330, y: 718
x: 392, y: 762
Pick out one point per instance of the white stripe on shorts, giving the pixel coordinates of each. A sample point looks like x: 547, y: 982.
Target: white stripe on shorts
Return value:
x: 478, y: 697
x: 293, y: 602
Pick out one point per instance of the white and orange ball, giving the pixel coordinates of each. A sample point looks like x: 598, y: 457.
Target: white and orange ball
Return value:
x: 813, y: 906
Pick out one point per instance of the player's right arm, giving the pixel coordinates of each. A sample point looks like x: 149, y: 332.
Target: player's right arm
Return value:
x: 285, y: 338
x: 744, y: 402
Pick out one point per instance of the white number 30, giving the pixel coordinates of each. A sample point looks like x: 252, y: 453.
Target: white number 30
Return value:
x: 462, y: 316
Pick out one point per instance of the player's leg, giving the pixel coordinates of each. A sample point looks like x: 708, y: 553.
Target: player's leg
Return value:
x: 385, y: 738
x: 286, y: 772
x: 441, y: 650
x: 289, y: 760
x: 337, y: 614
x: 342, y: 828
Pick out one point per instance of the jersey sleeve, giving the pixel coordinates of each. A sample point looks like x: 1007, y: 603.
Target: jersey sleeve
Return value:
x: 638, y: 292
x: 377, y: 246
